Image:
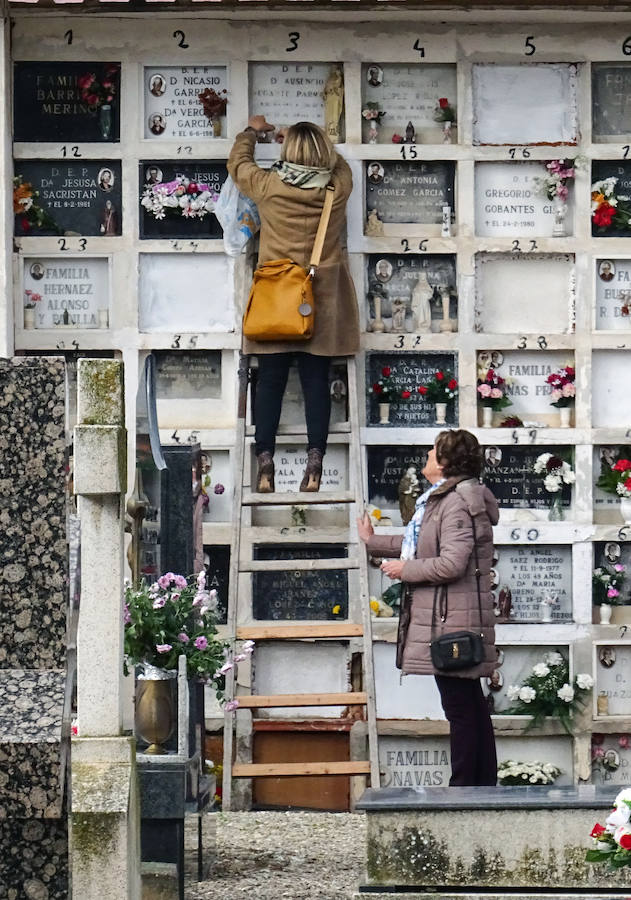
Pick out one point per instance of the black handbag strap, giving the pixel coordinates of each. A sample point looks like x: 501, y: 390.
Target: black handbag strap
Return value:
x: 477, y: 581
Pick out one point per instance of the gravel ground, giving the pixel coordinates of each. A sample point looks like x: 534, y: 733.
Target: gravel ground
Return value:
x: 284, y: 856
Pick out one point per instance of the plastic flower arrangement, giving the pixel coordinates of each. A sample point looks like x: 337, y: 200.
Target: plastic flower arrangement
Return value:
x: 96, y: 93
x: 213, y: 103
x: 606, y: 584
x: 31, y: 299
x: 563, y: 387
x: 385, y: 389
x: 553, y: 184
x: 612, y: 841
x: 555, y: 471
x: 491, y: 391
x: 372, y: 111
x: 511, y: 422
x: 608, y: 207
x: 28, y: 213
x: 514, y: 773
x: 180, y: 197
x: 548, y: 691
x: 616, y: 479
x: 444, y: 112
x: 175, y: 616
x: 443, y: 388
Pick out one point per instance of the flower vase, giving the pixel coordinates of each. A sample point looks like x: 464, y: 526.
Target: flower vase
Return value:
x: 555, y: 513
x: 447, y: 132
x: 384, y: 413
x: 105, y: 121
x: 29, y: 318
x: 560, y: 211
x: 377, y: 323
x: 625, y: 508
x: 373, y: 131
x: 565, y: 415
x: 155, y: 707
x: 441, y: 413
x: 487, y: 416
x: 545, y: 611
x: 216, y: 123
x: 605, y: 613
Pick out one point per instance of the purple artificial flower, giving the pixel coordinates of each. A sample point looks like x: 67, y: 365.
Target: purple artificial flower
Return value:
x: 159, y: 602
x: 201, y: 642
x: 247, y: 647
x: 180, y: 581
x: 175, y: 596
x: 231, y: 705
x: 226, y: 668
x: 183, y: 638
x: 127, y: 615
x: 165, y: 580
x: 199, y: 597
x: 219, y: 488
x: 163, y: 648
x: 201, y: 580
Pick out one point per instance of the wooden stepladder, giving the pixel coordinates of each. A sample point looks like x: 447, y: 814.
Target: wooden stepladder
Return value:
x: 240, y: 624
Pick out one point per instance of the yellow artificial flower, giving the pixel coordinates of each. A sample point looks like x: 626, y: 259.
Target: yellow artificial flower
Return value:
x: 336, y: 609
x: 376, y: 514
x: 374, y: 605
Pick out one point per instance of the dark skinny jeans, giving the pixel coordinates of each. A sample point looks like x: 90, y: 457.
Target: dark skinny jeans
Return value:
x: 473, y: 755
x: 270, y: 388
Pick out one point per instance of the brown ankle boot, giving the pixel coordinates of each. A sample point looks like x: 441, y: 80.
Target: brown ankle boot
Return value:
x: 313, y: 472
x: 265, y: 476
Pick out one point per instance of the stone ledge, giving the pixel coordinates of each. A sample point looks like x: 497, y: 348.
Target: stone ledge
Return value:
x: 583, y: 796
x: 389, y: 894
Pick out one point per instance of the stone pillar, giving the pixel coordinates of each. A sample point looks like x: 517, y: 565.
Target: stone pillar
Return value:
x: 105, y: 810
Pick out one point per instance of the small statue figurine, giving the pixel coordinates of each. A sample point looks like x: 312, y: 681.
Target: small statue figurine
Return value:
x: 410, y: 134
x: 421, y: 310
x: 505, y: 603
x: 333, y: 103
x: 398, y: 314
x: 409, y: 490
x: 374, y: 225
x: 445, y: 297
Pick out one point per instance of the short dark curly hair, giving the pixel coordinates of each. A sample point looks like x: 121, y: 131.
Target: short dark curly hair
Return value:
x: 459, y: 453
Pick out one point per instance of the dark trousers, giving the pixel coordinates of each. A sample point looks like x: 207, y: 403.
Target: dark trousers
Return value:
x: 270, y: 387
x: 473, y: 756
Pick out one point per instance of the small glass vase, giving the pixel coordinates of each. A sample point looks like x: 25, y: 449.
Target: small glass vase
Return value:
x: 555, y: 513
x: 105, y: 121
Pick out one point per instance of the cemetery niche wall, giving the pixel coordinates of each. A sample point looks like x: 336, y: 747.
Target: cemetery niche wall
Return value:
x: 468, y: 253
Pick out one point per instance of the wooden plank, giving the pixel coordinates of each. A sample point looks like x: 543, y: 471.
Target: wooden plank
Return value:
x: 267, y: 701
x: 297, y: 565
x: 258, y: 770
x: 291, y: 632
x: 295, y: 498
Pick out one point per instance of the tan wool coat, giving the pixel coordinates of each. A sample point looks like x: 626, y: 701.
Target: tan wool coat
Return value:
x: 289, y: 221
x: 447, y: 525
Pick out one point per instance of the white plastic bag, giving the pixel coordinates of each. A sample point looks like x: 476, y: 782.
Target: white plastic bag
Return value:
x: 238, y: 216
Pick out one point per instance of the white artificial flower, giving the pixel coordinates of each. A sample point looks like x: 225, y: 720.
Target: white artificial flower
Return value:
x: 552, y: 483
x: 620, y: 816
x: 623, y: 798
x: 527, y: 694
x: 541, y: 463
x: 541, y: 670
x: 566, y: 693
x: 512, y: 692
x: 567, y: 474
x: 553, y: 658
x: 585, y: 681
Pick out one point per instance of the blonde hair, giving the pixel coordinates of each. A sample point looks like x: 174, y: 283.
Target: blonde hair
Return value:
x: 306, y: 144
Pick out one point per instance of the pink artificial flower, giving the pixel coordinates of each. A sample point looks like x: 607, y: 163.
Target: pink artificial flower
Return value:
x: 165, y: 580
x: 226, y: 668
x: 183, y: 638
x: 180, y: 581
x: 127, y: 615
x: 484, y: 390
x: 231, y: 705
x: 612, y: 592
x: 496, y: 393
x: 562, y: 192
x: 619, y: 568
x: 163, y: 648
x: 556, y: 395
x: 569, y: 390
x: 247, y: 647
x: 623, y: 741
x: 159, y: 602
x: 240, y: 657
x: 598, y: 752
x: 199, y: 597
x: 175, y: 596
x: 201, y: 642
x: 201, y: 580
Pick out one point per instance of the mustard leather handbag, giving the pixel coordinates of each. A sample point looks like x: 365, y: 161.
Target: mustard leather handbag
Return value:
x: 280, y: 306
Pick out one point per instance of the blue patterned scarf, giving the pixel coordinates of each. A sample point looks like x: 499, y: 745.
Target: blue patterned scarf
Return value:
x: 412, y: 529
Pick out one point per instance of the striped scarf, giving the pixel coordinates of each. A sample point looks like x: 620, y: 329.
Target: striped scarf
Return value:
x: 412, y: 529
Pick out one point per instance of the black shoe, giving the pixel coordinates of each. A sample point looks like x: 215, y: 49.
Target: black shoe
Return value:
x: 313, y: 472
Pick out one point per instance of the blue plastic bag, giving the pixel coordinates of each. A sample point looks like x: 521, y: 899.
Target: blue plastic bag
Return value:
x: 238, y: 216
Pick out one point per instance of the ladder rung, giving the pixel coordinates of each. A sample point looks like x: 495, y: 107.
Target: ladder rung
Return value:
x: 254, y: 770
x: 297, y: 565
x: 297, y: 431
x: 261, y: 701
x: 286, y: 632
x: 297, y: 498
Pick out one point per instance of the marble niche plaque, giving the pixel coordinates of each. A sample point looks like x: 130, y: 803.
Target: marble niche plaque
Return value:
x: 210, y: 172
x: 407, y: 93
x: 74, y: 291
x: 526, y: 104
x: 414, y: 762
x: 607, y: 506
x: 291, y: 462
x: 185, y: 293
x: 612, y: 671
x: 48, y: 105
x: 609, y: 168
x: 611, y: 403
x: 82, y: 198
x: 609, y: 554
x: 526, y: 374
x: 613, y: 294
x: 392, y: 278
x: 516, y: 666
x: 531, y: 573
x: 409, y: 192
x: 217, y: 482
x: 188, y: 374
x: 508, y: 204
x: 291, y: 595
x: 508, y: 471
x: 614, y: 766
x: 173, y: 110
x: 286, y: 92
x: 409, y: 371
x: 611, y: 101
x: 386, y: 467
x: 217, y: 566
x: 541, y: 290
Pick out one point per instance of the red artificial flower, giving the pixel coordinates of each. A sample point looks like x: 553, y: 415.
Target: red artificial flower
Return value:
x: 92, y: 99
x: 452, y: 385
x: 625, y: 841
x: 386, y: 371
x: 192, y: 188
x: 112, y: 69
x: 597, y: 830
x: 570, y: 371
x: 622, y: 465
x: 406, y: 394
x: 397, y: 138
x: 554, y: 463
x: 627, y: 484
x: 376, y: 388
x: 603, y: 215
x: 440, y: 376
x: 443, y: 103
x: 85, y: 81
x: 25, y: 224
x: 422, y: 390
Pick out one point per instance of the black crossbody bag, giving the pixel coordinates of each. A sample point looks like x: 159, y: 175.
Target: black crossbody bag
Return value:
x: 458, y: 649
